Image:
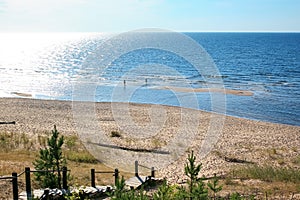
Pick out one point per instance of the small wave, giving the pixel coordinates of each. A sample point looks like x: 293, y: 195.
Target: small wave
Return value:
x: 281, y: 83
x: 194, y: 76
x: 215, y: 76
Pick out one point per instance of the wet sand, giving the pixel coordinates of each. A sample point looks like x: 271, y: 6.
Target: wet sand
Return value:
x: 215, y: 90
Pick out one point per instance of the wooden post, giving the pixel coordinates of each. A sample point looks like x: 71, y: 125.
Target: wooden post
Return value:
x: 15, y: 185
x: 136, y: 163
x: 28, y: 183
x: 152, y: 172
x: 116, y: 174
x: 65, y: 182
x: 93, y: 178
x: 46, y: 194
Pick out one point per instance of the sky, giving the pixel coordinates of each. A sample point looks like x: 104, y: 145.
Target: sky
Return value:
x: 126, y: 15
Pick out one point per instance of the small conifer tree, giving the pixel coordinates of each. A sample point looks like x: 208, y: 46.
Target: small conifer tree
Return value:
x: 197, y: 188
x: 214, y: 186
x: 192, y: 170
x: 51, y: 159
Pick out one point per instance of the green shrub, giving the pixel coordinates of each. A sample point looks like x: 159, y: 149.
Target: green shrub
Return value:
x: 121, y: 193
x: 235, y: 196
x: 164, y: 192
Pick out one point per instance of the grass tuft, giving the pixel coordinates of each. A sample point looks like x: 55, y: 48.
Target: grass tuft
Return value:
x: 81, y: 157
x: 71, y: 142
x: 270, y: 174
x: 296, y: 160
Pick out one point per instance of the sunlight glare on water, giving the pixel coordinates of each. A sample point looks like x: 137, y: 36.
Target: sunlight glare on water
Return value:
x: 38, y: 62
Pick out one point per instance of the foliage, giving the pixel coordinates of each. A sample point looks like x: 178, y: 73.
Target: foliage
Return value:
x: 51, y: 159
x: 235, y: 196
x: 11, y: 141
x: 269, y: 173
x: 80, y: 157
x: 119, y: 190
x: 214, y: 186
x: 79, y: 195
x: 75, y: 152
x: 238, y: 196
x: 4, y: 141
x: 71, y: 141
x: 297, y: 160
x: 191, y: 169
x: 197, y: 189
x: 164, y: 192
x: 120, y: 193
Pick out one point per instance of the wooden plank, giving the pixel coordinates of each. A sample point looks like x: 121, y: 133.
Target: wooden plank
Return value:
x: 136, y: 181
x: 13, y: 122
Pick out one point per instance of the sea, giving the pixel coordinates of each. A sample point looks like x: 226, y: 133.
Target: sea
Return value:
x: 53, y: 65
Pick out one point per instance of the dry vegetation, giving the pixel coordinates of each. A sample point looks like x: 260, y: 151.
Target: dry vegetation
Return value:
x: 17, y: 152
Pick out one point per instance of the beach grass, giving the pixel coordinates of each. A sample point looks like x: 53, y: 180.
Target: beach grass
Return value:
x: 263, y: 181
x: 15, y: 156
x: 296, y: 160
x: 80, y: 157
x: 269, y: 173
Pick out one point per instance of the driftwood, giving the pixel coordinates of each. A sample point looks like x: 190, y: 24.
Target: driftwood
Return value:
x: 131, y: 149
x: 13, y: 122
x: 235, y: 160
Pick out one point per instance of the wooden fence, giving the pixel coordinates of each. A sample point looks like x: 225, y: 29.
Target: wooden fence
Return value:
x: 27, y: 172
x: 94, y: 172
x: 14, y: 178
x: 136, y: 164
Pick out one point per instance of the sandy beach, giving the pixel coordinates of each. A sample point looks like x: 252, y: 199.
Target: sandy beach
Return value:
x: 241, y: 139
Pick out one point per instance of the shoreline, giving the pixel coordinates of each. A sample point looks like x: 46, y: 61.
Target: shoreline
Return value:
x: 238, y: 93
x: 240, y: 138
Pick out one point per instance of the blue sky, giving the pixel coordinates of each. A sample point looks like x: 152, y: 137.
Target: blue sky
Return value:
x: 125, y: 15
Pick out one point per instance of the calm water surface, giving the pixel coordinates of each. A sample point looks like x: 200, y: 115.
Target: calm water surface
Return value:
x: 47, y: 65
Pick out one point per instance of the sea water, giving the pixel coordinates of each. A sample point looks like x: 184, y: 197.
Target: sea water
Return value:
x: 49, y: 65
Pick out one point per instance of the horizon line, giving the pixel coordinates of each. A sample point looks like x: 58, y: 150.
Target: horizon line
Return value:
x: 118, y: 32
